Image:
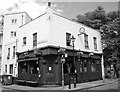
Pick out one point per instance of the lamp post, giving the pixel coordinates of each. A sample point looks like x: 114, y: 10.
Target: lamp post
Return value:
x: 73, y: 40
x: 61, y: 52
x: 62, y: 61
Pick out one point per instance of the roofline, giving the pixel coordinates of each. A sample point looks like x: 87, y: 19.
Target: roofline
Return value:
x: 75, y: 22
x: 33, y: 20
x: 17, y: 13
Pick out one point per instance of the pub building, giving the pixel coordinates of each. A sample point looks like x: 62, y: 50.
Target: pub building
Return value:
x: 51, y: 49
x: 57, y: 40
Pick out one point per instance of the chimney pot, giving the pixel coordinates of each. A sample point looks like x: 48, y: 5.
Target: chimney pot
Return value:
x: 49, y: 4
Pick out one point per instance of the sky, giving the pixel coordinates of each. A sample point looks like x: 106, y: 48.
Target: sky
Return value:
x: 67, y: 9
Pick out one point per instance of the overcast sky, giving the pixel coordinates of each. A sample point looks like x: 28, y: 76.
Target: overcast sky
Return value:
x: 68, y: 9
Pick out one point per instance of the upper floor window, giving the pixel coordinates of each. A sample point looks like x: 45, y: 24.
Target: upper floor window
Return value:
x: 95, y: 43
x: 8, y: 56
x: 13, y: 33
x: 14, y: 21
x: 11, y: 68
x: 5, y: 68
x: 86, y: 41
x: 24, y: 41
x: 13, y: 51
x: 34, y: 39
x: 68, y: 39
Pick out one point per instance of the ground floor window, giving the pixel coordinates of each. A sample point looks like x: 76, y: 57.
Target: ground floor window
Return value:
x: 81, y: 67
x: 31, y: 67
x: 85, y: 65
x: 93, y: 69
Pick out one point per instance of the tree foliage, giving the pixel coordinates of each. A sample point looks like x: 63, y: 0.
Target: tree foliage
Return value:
x: 109, y: 23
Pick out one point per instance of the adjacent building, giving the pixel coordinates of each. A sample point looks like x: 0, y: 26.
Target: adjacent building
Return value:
x: 1, y: 39
x: 12, y: 22
x: 37, y: 43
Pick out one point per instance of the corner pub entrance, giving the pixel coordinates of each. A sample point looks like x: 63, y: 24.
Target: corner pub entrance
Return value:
x: 42, y: 66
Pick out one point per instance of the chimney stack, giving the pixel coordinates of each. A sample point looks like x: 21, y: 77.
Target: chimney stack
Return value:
x: 49, y: 4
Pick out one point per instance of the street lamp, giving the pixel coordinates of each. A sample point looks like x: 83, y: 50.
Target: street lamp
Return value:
x: 73, y: 40
x: 61, y: 52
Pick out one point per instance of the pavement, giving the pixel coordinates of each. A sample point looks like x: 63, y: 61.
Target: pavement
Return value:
x: 80, y: 86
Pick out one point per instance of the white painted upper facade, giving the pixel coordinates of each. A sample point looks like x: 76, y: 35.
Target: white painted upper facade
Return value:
x: 51, y: 29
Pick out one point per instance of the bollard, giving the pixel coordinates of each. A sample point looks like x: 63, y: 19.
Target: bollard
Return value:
x: 69, y: 82
x: 103, y: 79
x: 75, y: 81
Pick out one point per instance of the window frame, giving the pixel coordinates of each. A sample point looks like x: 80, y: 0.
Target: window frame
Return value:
x: 8, y: 56
x: 24, y: 40
x: 86, y: 41
x: 11, y: 68
x: 14, y: 51
x: 5, y: 68
x: 14, y: 21
x: 35, y: 39
x: 13, y: 33
x: 68, y: 39
x: 95, y: 43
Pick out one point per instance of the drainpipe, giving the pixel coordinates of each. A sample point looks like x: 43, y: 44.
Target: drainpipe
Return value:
x: 15, y: 66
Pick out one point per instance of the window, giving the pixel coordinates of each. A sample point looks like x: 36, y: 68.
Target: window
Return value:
x: 14, y: 21
x: 86, y: 41
x: 24, y: 41
x: 85, y: 65
x: 5, y: 68
x: 13, y: 51
x: 8, y: 56
x: 11, y: 68
x: 34, y: 39
x: 68, y: 39
x: 81, y: 65
x: 13, y: 33
x: 92, y: 67
x: 95, y: 43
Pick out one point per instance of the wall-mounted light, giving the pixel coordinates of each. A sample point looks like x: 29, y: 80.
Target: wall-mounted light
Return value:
x: 26, y: 54
x: 91, y: 54
x: 38, y: 52
x: 80, y: 53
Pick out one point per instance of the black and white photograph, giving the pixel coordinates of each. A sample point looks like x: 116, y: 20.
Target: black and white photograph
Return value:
x: 59, y: 46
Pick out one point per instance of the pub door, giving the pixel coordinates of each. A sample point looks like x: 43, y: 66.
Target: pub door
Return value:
x: 50, y: 77
x: 48, y: 73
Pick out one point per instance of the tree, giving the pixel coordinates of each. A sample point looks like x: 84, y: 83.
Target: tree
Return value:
x: 110, y: 24
x: 94, y: 19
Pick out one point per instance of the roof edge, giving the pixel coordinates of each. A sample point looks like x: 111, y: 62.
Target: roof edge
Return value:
x: 75, y: 22
x: 33, y: 20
